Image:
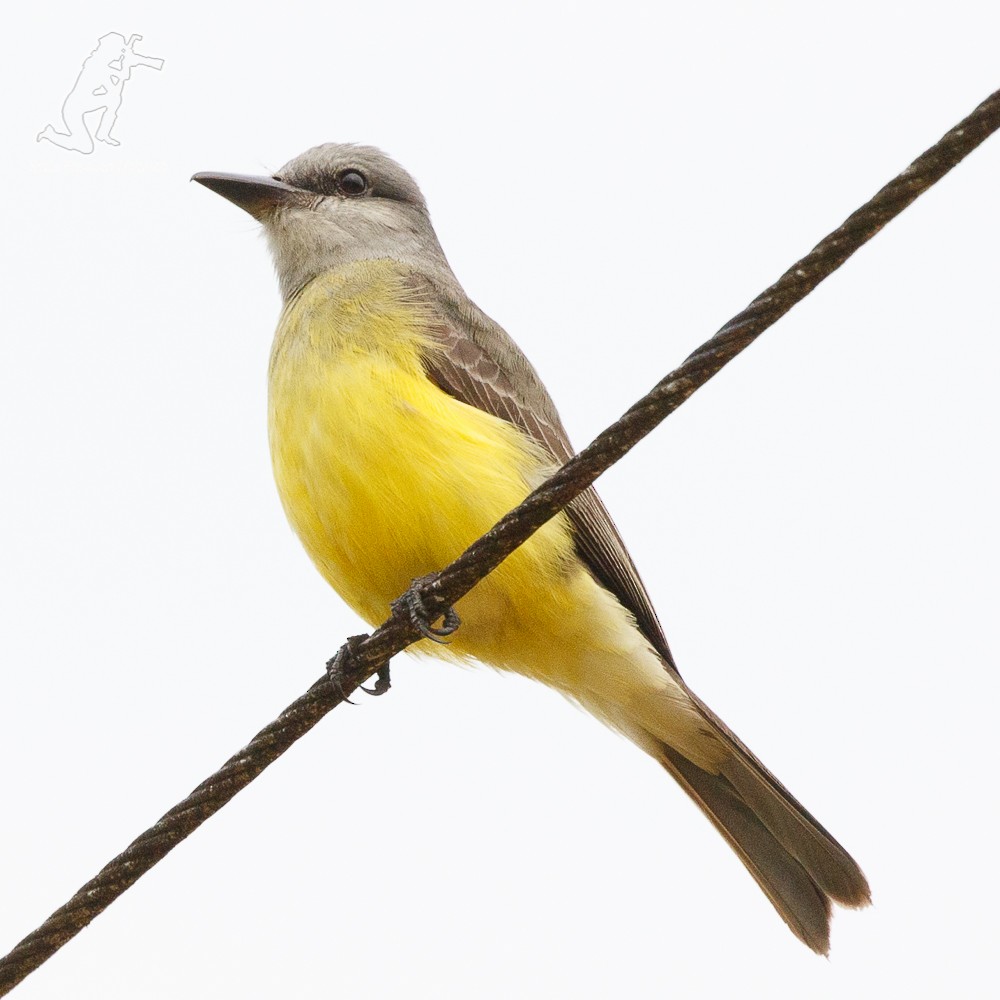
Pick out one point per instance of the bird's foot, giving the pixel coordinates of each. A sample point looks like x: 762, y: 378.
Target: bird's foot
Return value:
x: 381, y: 682
x: 412, y: 605
x: 342, y: 661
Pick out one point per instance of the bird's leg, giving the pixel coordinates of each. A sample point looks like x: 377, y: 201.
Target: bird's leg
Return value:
x: 412, y: 605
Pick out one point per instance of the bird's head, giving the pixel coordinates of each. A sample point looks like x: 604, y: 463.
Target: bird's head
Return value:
x: 334, y: 204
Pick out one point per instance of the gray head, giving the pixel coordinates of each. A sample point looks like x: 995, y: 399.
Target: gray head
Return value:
x: 335, y: 204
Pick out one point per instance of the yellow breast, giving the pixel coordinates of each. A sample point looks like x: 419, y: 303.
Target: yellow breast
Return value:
x: 385, y: 477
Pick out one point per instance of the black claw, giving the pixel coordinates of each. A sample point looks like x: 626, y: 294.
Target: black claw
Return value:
x: 381, y: 682
x: 341, y: 660
x: 413, y: 604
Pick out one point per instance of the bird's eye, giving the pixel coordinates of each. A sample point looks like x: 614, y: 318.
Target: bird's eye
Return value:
x: 351, y: 182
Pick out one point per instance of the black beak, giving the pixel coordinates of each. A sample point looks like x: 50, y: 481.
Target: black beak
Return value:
x: 257, y: 195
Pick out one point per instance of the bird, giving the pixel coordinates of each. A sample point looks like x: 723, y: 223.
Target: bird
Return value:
x: 404, y: 422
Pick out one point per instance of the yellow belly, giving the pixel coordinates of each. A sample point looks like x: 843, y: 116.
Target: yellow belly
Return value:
x: 386, y: 478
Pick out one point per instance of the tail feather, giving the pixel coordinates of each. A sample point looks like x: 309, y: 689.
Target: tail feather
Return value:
x: 798, y: 864
x: 834, y: 870
x: 800, y: 902
x: 800, y: 867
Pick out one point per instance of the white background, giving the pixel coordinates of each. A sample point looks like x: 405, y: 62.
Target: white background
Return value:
x: 818, y: 528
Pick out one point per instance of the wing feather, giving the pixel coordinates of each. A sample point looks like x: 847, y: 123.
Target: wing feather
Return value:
x: 480, y: 365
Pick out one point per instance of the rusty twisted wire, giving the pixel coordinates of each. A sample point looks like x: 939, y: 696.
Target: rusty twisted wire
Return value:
x: 360, y: 658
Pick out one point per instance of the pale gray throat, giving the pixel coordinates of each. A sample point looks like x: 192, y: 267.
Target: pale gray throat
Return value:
x: 308, y: 241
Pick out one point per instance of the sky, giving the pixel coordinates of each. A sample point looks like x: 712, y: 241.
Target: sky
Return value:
x: 817, y: 526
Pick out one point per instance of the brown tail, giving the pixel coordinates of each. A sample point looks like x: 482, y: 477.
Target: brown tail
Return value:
x: 800, y: 867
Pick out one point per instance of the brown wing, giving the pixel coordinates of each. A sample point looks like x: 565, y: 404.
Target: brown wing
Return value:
x: 480, y: 365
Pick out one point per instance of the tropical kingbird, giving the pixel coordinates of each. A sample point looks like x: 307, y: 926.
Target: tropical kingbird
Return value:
x: 404, y: 423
